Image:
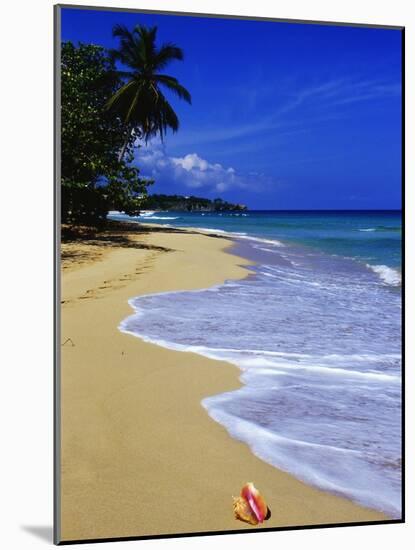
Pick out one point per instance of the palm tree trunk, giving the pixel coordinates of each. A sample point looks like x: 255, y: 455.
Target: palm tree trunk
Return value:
x: 124, y: 146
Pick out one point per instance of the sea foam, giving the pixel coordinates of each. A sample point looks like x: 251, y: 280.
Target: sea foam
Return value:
x: 318, y: 348
x: 387, y: 274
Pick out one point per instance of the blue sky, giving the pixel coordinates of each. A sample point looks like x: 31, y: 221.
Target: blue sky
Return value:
x: 283, y: 115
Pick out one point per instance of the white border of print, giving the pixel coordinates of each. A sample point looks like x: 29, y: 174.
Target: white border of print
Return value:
x: 27, y: 269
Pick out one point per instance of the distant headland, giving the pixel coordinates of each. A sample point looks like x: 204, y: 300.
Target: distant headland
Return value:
x: 180, y: 203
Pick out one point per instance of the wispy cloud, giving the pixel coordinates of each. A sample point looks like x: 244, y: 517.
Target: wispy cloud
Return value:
x: 319, y: 91
x: 226, y: 133
x: 356, y: 92
x: 316, y: 102
x: 339, y: 90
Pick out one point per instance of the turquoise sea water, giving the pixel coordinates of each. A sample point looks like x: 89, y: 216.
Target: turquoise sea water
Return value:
x: 370, y: 236
x: 315, y: 330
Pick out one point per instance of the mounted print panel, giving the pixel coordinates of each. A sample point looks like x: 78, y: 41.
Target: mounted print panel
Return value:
x: 229, y: 259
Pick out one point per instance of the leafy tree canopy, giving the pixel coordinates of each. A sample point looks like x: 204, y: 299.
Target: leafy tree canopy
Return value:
x: 94, y: 179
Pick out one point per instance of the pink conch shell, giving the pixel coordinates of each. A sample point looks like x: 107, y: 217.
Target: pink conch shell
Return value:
x: 250, y: 506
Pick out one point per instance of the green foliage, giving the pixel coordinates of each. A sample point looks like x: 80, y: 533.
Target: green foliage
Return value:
x: 125, y: 191
x: 140, y: 102
x: 94, y: 180
x: 189, y: 204
x: 90, y: 138
x: 83, y: 203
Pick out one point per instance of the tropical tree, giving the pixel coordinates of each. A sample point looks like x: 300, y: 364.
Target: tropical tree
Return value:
x: 93, y: 179
x: 90, y: 136
x: 140, y: 102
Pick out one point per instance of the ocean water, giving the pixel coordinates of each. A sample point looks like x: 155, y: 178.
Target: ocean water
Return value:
x: 315, y: 330
x: 373, y: 237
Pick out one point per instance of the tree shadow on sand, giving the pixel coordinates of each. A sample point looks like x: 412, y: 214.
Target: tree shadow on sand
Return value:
x: 118, y: 234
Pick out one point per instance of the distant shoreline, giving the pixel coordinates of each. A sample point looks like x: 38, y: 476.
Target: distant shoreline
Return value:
x: 392, y: 210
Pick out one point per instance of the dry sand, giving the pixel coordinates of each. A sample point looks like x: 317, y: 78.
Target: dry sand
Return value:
x: 139, y: 454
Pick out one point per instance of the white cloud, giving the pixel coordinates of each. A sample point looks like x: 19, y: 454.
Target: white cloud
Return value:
x: 221, y: 186
x: 191, y: 171
x: 190, y: 161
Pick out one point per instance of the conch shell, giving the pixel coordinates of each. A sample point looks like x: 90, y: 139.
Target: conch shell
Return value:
x: 250, y: 506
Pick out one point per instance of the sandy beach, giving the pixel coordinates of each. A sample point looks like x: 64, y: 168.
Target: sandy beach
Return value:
x: 140, y: 455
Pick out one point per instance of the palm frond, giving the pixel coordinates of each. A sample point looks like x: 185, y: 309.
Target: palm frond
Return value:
x: 124, y: 74
x: 132, y: 106
x: 167, y: 52
x: 122, y: 32
x: 140, y: 102
x: 167, y: 118
x: 130, y: 52
x: 120, y: 93
x: 174, y: 86
x: 146, y: 40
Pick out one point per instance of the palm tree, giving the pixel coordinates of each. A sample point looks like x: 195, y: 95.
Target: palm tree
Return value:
x: 140, y: 102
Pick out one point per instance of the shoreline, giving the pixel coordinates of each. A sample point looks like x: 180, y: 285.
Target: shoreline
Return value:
x: 127, y: 469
